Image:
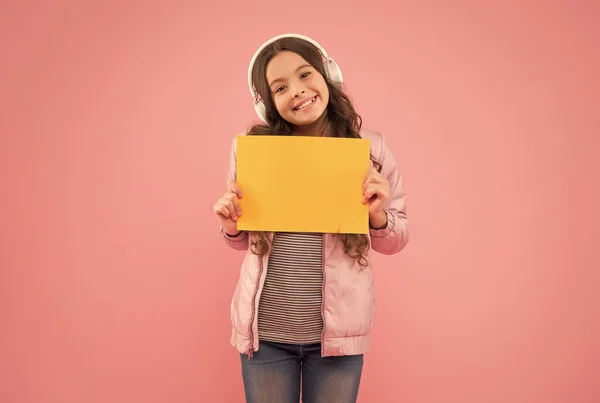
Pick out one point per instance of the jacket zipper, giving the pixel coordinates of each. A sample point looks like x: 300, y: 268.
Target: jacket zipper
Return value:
x: 251, y: 349
x: 323, y: 295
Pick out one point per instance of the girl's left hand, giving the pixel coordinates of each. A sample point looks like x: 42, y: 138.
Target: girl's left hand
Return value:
x: 376, y: 191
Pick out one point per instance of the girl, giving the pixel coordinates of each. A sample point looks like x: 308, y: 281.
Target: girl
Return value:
x: 304, y: 304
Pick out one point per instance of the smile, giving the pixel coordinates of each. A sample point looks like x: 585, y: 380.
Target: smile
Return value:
x: 306, y: 104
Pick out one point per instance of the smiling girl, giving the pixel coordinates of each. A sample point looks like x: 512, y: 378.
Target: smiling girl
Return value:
x: 304, y: 305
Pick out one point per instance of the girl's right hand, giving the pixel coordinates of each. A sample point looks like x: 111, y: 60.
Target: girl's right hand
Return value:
x: 228, y: 209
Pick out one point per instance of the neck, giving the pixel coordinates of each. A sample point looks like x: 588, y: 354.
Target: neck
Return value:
x: 319, y: 128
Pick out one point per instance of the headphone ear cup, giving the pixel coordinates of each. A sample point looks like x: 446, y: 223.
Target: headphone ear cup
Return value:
x: 333, y: 72
x: 261, y: 110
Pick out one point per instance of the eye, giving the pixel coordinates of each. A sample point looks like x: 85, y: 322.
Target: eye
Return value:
x: 279, y: 89
x: 305, y: 74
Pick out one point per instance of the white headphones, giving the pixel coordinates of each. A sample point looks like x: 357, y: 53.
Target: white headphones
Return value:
x: 334, y: 74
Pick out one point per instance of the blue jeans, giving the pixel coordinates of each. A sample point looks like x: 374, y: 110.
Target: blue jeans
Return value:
x: 277, y: 371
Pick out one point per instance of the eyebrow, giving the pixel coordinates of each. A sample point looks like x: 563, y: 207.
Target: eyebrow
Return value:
x: 281, y: 79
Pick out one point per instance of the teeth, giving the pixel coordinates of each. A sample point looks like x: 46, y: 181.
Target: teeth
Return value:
x: 304, y: 105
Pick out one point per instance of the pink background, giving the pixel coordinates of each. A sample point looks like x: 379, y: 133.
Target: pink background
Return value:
x: 116, y: 121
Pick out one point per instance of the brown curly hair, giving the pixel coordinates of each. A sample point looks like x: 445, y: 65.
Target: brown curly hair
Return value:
x: 342, y: 121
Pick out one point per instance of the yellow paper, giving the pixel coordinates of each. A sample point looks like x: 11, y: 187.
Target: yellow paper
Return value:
x: 302, y: 184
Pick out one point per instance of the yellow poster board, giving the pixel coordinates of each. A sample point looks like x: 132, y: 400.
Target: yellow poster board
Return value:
x: 302, y: 184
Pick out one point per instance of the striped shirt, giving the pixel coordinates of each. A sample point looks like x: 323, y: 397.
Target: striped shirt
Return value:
x: 290, y: 304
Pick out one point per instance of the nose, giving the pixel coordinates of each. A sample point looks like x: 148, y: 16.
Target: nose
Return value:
x: 297, y: 92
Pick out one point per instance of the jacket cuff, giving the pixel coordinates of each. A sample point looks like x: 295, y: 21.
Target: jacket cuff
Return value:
x: 383, y: 232
x: 235, y: 238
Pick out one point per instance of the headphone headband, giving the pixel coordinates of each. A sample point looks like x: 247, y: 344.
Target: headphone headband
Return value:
x: 253, y: 92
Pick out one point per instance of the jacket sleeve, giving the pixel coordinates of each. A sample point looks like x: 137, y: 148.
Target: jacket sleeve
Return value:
x: 240, y: 241
x: 394, y: 237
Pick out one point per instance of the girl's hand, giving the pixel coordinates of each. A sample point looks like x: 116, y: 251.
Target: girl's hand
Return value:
x: 376, y: 192
x: 227, y: 208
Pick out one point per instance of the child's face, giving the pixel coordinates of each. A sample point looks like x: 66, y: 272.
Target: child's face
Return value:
x: 299, y: 91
